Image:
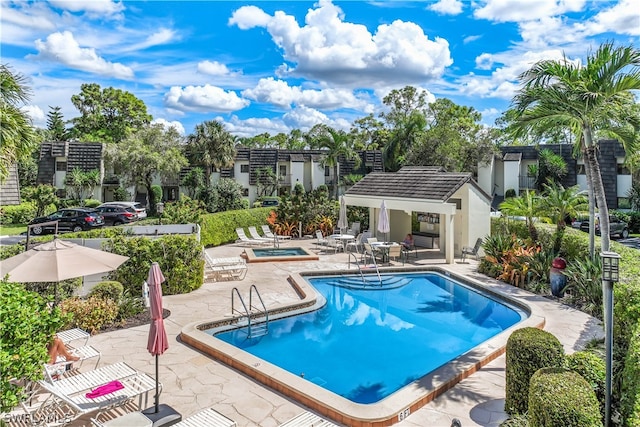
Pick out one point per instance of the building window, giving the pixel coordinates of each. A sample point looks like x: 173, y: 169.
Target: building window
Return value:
x: 244, y: 168
x: 581, y: 170
x: 283, y: 170
x: 61, y: 166
x: 327, y: 171
x: 623, y: 170
x: 245, y: 192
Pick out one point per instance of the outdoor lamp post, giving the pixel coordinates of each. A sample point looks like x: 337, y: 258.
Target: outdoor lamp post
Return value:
x: 610, y: 262
x: 160, y: 209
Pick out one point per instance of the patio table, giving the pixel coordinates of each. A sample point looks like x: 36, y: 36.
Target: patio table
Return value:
x: 384, y: 248
x: 344, y: 239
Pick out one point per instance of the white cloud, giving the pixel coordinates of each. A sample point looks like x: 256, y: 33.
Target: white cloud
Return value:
x: 329, y: 49
x: 63, y: 48
x: 170, y: 124
x: 161, y: 37
x: 484, y: 61
x: 205, y: 98
x: 38, y: 118
x: 304, y: 118
x: 470, y: 39
x: 105, y: 8
x: 254, y: 126
x: 213, y: 68
x: 525, y: 10
x: 279, y: 93
x: 447, y: 7
x: 621, y: 18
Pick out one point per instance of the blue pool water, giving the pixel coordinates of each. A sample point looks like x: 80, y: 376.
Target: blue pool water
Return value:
x: 279, y: 252
x: 365, y: 344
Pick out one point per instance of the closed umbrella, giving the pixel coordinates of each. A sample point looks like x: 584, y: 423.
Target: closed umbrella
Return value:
x: 158, y: 342
x: 383, y: 220
x: 58, y: 260
x: 343, y: 223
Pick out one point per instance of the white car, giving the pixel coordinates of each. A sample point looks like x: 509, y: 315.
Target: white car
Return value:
x: 140, y: 209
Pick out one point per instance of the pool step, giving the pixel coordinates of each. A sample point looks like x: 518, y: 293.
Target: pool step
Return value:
x: 259, y: 330
x: 371, y: 282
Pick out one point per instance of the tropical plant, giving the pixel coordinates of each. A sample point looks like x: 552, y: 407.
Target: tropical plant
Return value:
x: 43, y: 196
x: 81, y: 184
x: 634, y: 197
x: 211, y: 146
x: 267, y: 181
x: 526, y: 205
x: 584, y: 285
x: 17, y: 137
x: 229, y: 193
x: 560, y: 204
x: 550, y: 168
x: 194, y: 180
x: 587, y: 99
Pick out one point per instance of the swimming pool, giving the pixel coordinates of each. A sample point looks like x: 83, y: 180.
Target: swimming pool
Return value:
x: 369, y: 341
x: 279, y: 254
x: 405, y: 392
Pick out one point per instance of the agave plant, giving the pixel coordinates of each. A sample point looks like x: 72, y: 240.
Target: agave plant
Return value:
x: 584, y: 285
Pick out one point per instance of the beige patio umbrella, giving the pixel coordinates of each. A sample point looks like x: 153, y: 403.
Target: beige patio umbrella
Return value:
x: 58, y: 260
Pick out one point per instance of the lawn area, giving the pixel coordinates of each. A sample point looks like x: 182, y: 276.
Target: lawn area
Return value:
x: 12, y: 229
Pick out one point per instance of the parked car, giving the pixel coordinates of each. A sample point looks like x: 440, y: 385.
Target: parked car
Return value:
x: 617, y: 227
x: 117, y: 214
x: 70, y: 219
x: 141, y: 211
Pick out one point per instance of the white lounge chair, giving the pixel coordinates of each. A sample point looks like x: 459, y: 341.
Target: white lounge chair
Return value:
x: 308, y: 419
x: 206, y: 418
x: 68, y: 395
x: 225, y: 268
x: 253, y: 232
x: 56, y: 370
x: 70, y: 335
x: 268, y: 233
x: 242, y: 238
x: 320, y: 240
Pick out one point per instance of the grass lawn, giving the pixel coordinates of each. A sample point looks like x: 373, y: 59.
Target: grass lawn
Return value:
x: 12, y: 229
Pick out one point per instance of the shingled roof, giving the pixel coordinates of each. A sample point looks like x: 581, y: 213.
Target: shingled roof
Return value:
x: 415, y: 182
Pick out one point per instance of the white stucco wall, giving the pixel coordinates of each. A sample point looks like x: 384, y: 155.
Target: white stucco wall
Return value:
x: 297, y: 173
x: 486, y: 175
x: 473, y: 220
x: 317, y: 175
x: 511, y: 174
x: 623, y: 185
x: 499, y: 178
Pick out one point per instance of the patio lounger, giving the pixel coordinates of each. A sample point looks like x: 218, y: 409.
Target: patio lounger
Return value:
x: 54, y: 371
x: 229, y: 268
x: 242, y: 238
x: 206, y: 418
x: 320, y: 240
x: 69, y: 394
x: 308, y: 419
x: 267, y: 233
x: 74, y: 334
x: 254, y: 235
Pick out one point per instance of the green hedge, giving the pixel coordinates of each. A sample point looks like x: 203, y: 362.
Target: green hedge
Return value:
x: 630, y: 400
x: 559, y: 397
x: 220, y: 228
x: 593, y: 369
x: 179, y: 257
x: 528, y: 349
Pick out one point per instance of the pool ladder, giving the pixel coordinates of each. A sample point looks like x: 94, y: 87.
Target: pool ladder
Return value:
x: 254, y: 330
x: 364, y: 282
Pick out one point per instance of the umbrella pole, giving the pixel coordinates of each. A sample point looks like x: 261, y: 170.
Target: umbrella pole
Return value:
x: 157, y: 396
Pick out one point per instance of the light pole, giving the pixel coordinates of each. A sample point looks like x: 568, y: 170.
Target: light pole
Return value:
x: 610, y: 262
x: 159, y: 210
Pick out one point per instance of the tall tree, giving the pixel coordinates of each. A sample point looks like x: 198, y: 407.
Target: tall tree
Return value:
x: 589, y: 99
x: 151, y: 152
x: 108, y: 115
x: 338, y: 145
x: 55, y: 124
x: 368, y: 133
x: 17, y: 137
x: 212, y: 147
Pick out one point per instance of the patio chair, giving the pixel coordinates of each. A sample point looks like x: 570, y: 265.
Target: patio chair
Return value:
x: 368, y: 252
x: 242, y: 238
x: 206, y: 418
x: 234, y: 268
x: 267, y: 233
x: 355, y: 228
x: 320, y: 239
x: 409, y: 249
x: 70, y: 335
x: 307, y: 419
x: 253, y: 232
x: 334, y: 244
x: 395, y: 252
x: 468, y: 250
x: 55, y: 371
x: 356, y: 245
x: 69, y: 395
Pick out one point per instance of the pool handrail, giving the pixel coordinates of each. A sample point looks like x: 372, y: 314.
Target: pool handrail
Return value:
x: 266, y: 313
x: 364, y: 282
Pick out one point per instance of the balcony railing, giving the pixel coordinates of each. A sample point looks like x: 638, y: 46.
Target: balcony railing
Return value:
x: 527, y: 182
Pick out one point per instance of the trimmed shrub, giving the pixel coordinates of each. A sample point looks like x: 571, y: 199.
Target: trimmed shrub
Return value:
x: 90, y: 314
x: 559, y: 397
x: 220, y: 228
x: 592, y: 369
x: 528, y: 350
x: 18, y: 214
x: 630, y: 401
x: 109, y: 289
x: 129, y: 306
x: 92, y: 203
x: 179, y: 257
x: 509, y: 193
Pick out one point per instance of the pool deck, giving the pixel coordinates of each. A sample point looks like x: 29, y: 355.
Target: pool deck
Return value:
x: 193, y: 381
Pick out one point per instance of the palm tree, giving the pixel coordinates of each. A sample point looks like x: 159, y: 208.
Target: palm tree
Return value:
x: 17, y: 137
x: 212, y: 146
x: 338, y: 145
x: 594, y: 98
x: 526, y: 205
x: 559, y: 203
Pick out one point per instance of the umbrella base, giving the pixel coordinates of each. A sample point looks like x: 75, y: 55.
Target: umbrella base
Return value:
x: 166, y: 415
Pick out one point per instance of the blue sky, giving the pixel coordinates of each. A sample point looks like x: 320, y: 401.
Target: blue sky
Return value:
x: 262, y: 66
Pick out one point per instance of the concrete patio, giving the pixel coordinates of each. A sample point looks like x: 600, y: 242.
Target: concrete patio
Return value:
x: 193, y: 381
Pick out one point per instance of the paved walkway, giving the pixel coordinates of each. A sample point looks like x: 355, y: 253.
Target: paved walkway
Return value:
x: 193, y: 381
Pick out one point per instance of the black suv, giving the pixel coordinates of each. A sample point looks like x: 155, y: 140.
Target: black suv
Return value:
x: 117, y: 214
x: 71, y: 219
